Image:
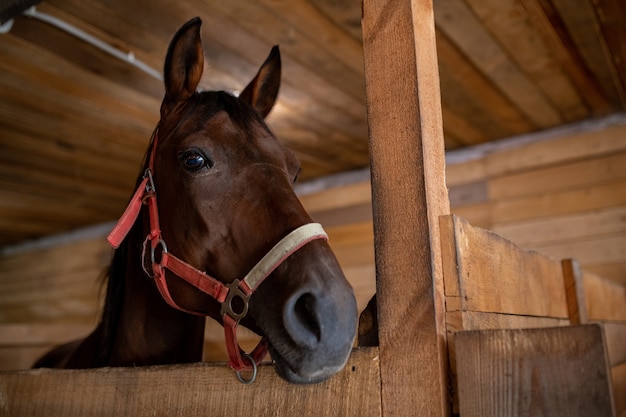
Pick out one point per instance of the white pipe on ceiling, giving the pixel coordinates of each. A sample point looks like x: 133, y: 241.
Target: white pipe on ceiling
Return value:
x: 128, y: 57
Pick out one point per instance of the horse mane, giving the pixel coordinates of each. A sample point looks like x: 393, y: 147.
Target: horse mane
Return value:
x: 115, y: 279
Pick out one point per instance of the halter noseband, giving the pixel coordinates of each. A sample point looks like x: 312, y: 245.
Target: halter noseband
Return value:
x: 223, y: 293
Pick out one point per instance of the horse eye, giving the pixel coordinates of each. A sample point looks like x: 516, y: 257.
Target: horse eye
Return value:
x: 194, y: 161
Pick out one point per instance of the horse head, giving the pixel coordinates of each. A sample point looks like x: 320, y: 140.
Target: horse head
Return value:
x: 225, y: 189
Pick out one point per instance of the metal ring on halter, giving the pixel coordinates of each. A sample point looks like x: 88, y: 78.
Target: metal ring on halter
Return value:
x: 161, y: 243
x: 254, y: 370
x: 235, y: 293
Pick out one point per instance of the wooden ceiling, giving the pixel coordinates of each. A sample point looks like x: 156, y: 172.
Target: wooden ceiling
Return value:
x: 75, y: 122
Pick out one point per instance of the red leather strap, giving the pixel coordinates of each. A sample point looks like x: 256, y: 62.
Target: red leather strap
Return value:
x: 195, y: 277
x: 236, y: 360
x: 125, y: 223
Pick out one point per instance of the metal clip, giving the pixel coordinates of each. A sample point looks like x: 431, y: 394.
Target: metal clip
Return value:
x: 150, y: 188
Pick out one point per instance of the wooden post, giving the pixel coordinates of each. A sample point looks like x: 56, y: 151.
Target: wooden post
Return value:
x: 409, y: 195
x: 574, y: 291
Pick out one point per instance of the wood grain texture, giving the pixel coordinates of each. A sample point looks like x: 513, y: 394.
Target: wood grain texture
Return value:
x: 558, y: 371
x: 190, y: 390
x: 605, y: 300
x: 485, y: 272
x: 457, y: 321
x: 409, y: 194
x: 618, y: 377
x: 574, y: 292
x: 615, y: 334
x: 507, y: 67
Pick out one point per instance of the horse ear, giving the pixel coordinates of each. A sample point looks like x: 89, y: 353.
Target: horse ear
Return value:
x: 183, y: 65
x: 262, y: 91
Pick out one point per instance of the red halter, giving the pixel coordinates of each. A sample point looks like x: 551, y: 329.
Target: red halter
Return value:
x: 223, y: 293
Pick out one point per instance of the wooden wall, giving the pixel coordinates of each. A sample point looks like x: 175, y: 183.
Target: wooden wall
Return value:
x: 565, y: 197
x: 563, y: 194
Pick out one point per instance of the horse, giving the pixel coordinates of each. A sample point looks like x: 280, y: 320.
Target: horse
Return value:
x: 229, y: 240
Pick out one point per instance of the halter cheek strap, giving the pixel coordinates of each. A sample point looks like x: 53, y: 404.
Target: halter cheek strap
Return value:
x: 241, y: 290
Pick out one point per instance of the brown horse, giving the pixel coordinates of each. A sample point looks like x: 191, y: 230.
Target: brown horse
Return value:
x: 225, y: 188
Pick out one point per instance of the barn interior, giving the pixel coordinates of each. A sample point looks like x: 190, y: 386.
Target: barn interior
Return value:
x: 533, y: 94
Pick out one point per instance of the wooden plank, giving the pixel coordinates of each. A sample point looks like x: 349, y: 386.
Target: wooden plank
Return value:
x: 458, y: 22
x: 599, y: 196
x: 14, y: 334
x: 546, y: 19
x: 574, y: 291
x: 564, y: 228
x: 409, y: 195
x: 583, y: 27
x: 618, y: 378
x: 351, y: 234
x: 338, y: 197
x: 615, y: 334
x: 191, y: 390
x: 14, y: 358
x: 610, y: 14
x: 593, y: 250
x: 475, y: 320
x: 569, y: 143
x: 471, y: 320
x: 485, y: 272
x: 577, y: 174
x: 468, y: 194
x: 559, y: 371
x: 465, y: 172
x: 606, y: 300
x: 478, y: 215
x: 514, y: 29
x: 22, y: 344
x: 355, y: 254
x: 344, y: 215
x: 615, y: 271
x: 494, y: 113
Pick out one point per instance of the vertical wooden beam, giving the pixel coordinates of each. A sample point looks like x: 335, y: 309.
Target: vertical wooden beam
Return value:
x: 409, y: 195
x: 574, y: 292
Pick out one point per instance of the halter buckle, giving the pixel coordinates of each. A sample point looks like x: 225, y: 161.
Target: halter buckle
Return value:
x: 235, y: 292
x: 150, y: 188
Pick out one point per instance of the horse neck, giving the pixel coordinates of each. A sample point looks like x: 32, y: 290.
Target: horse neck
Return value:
x: 147, y: 330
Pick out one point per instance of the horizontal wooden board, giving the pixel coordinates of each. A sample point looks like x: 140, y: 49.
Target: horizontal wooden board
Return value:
x: 605, y: 300
x: 478, y: 215
x: 468, y: 171
x: 474, y: 320
x: 558, y: 371
x: 559, y: 229
x: 592, y: 250
x: 571, y: 143
x: 351, y: 234
x: 485, y: 272
x: 338, y: 197
x: 560, y: 177
x: 614, y: 271
x: 560, y: 202
x: 190, y: 390
x: 41, y: 334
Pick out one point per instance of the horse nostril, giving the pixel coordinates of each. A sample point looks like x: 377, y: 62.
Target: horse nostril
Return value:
x: 302, y: 322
